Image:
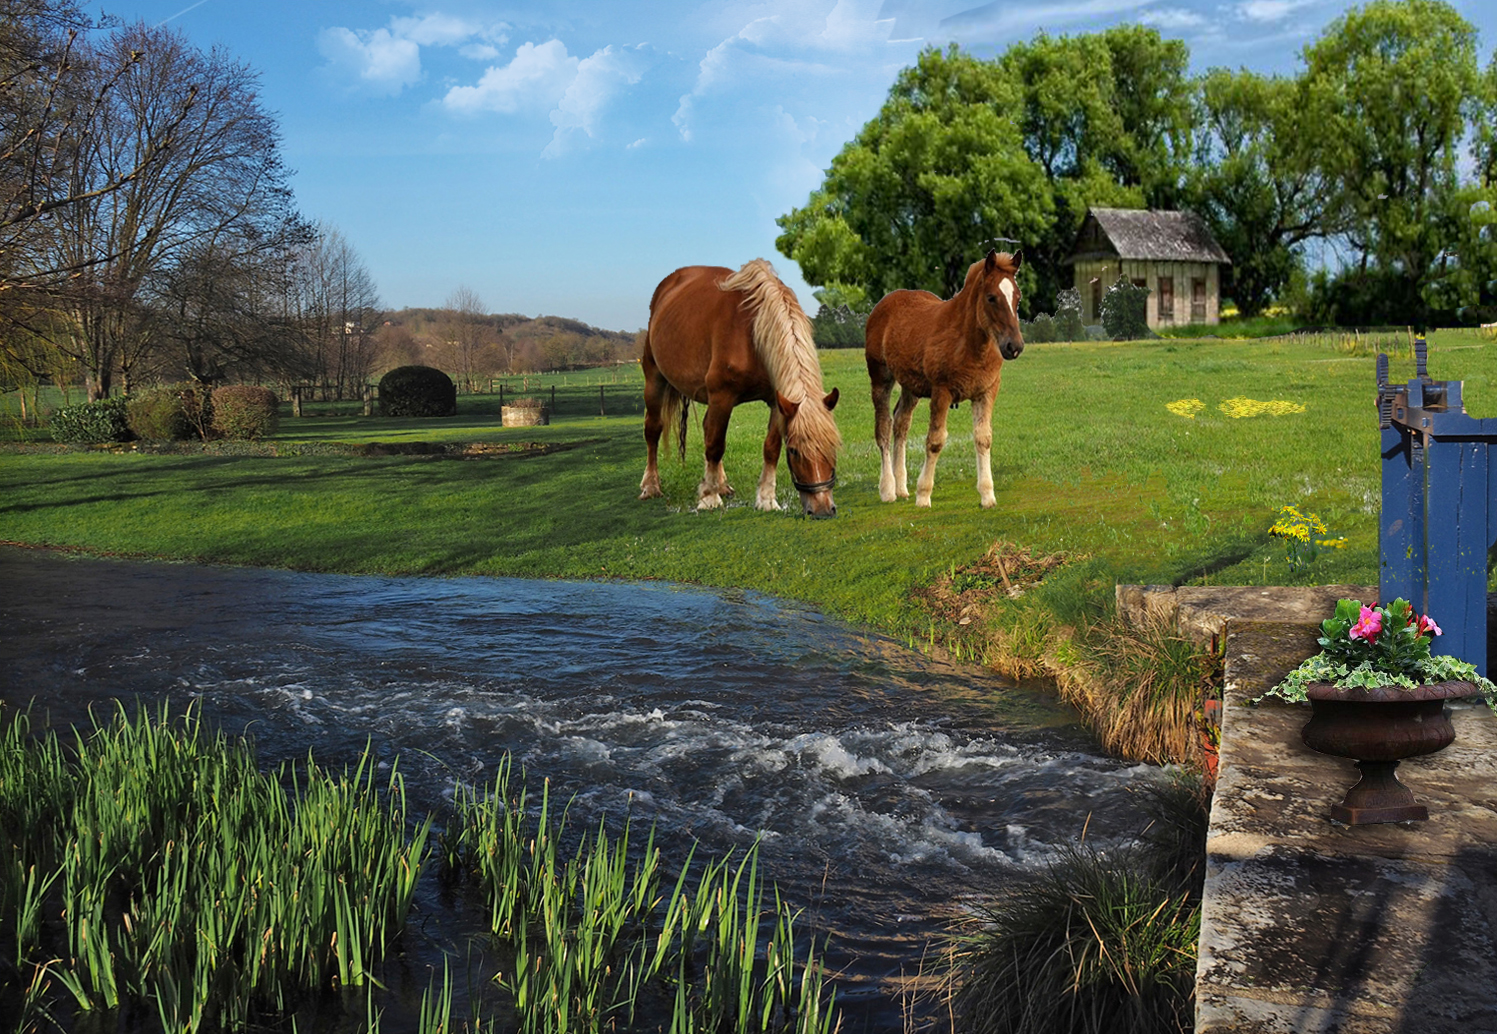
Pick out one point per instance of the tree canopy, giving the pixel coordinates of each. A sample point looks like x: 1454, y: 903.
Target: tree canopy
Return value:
x: 1361, y: 150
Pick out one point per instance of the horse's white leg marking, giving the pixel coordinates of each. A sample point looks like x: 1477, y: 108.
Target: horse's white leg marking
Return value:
x: 766, y: 499
x: 709, y: 492
x: 886, y: 489
x: 935, y: 440
x: 649, y: 487
x: 982, y: 435
x: 904, y: 412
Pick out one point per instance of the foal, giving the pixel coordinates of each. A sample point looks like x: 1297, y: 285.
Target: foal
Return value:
x: 946, y: 352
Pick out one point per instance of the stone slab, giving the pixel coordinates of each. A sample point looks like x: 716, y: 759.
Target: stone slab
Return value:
x: 1311, y: 925
x: 1204, y: 610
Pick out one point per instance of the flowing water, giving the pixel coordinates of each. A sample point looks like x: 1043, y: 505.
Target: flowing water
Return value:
x: 885, y: 788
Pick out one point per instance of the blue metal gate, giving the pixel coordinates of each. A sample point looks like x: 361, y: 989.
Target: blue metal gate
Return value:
x: 1439, y: 513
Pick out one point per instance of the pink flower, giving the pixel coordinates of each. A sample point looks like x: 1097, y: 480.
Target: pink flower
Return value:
x: 1427, y: 626
x: 1369, y: 626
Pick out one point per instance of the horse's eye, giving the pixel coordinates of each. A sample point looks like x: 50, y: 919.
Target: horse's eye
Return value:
x: 993, y: 298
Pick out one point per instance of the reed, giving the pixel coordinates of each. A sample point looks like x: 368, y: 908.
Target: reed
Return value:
x: 596, y: 942
x: 150, y: 869
x: 160, y: 869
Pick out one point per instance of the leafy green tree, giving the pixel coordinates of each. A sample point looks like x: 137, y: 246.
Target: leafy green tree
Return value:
x: 1390, y: 90
x: 925, y: 187
x: 1256, y: 181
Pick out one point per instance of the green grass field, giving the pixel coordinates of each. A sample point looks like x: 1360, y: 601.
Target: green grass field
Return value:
x: 1088, y: 460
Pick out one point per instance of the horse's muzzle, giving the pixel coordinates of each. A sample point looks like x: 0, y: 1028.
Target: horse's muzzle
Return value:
x: 1011, y: 349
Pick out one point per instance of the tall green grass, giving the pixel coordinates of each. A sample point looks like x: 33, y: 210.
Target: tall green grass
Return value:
x: 596, y: 938
x: 1097, y: 942
x: 152, y: 877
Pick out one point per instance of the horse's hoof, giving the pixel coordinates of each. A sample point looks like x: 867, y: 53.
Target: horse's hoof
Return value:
x: 887, y: 497
x: 709, y: 502
x: 925, y: 501
x: 988, y: 504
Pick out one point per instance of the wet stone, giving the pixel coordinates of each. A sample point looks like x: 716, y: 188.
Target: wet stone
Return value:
x: 1311, y: 925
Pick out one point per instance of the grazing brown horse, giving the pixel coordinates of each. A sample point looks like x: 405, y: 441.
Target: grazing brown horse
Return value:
x: 946, y: 352
x: 722, y: 338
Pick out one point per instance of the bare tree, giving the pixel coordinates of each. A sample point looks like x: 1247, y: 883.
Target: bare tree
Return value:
x: 219, y: 176
x: 336, y: 305
x: 467, y: 333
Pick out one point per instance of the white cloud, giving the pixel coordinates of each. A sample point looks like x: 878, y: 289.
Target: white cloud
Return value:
x: 788, y: 42
x: 479, y: 51
x: 1266, y: 11
x: 1004, y: 21
x: 386, y: 60
x: 379, y: 61
x: 598, y: 79
x: 537, y: 75
x: 1173, y: 19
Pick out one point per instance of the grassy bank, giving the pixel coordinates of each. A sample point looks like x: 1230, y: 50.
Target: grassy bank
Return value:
x: 1137, y: 462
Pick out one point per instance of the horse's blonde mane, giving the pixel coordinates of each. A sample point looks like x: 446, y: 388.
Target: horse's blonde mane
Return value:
x: 782, y: 337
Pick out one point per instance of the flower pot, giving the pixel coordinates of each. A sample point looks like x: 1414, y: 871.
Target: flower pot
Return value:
x: 1378, y: 728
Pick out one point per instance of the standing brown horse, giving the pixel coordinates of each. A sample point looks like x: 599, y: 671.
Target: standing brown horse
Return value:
x: 722, y: 338
x: 946, y: 352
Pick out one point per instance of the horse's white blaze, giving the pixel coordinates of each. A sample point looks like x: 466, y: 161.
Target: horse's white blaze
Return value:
x: 1006, y: 288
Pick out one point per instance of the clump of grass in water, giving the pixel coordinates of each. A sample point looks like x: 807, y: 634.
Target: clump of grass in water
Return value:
x: 160, y: 869
x: 593, y: 940
x: 153, y: 871
x: 1094, y: 942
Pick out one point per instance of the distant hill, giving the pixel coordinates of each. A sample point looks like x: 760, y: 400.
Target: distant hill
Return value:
x: 499, y: 342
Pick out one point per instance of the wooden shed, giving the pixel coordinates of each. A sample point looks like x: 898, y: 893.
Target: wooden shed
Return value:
x: 1171, y: 253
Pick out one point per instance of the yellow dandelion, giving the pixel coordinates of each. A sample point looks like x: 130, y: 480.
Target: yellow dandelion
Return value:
x: 1242, y: 406
x: 1187, y: 408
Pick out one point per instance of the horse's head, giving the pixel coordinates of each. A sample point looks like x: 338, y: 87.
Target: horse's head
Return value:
x: 811, y: 450
x: 998, y: 301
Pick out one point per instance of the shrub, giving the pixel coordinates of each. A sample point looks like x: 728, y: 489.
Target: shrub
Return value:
x: 417, y: 391
x: 244, y: 412
x: 92, y: 422
x: 1125, y: 311
x: 1069, y: 325
x: 1039, y: 330
x: 158, y: 415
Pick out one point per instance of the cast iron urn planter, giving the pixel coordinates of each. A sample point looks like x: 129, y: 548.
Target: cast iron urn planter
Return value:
x: 1378, y: 728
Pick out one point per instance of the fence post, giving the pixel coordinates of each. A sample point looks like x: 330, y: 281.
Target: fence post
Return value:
x: 296, y: 400
x: 553, y: 398
x: 601, y: 410
x: 368, y: 400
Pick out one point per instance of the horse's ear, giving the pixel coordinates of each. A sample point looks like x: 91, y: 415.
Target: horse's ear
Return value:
x: 831, y: 400
x: 788, y: 409
x: 1018, y: 259
x: 991, y: 262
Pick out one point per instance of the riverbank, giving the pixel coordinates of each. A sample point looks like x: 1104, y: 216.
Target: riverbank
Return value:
x: 1114, y: 486
x: 886, y: 788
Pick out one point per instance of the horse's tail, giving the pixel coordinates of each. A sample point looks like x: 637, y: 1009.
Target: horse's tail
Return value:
x: 674, y: 409
x: 674, y: 406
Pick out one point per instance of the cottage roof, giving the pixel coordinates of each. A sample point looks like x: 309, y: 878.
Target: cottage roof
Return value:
x: 1135, y: 233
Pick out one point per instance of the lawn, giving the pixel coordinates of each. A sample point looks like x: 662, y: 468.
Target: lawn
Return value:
x: 1090, y: 459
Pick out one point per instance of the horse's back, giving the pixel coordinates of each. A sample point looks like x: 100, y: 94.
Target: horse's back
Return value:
x: 689, y: 314
x: 895, y: 331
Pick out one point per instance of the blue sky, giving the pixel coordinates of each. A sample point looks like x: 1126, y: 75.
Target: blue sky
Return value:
x: 560, y: 157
